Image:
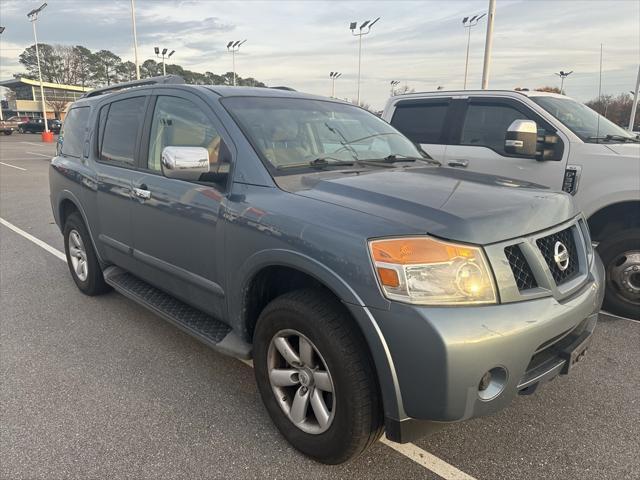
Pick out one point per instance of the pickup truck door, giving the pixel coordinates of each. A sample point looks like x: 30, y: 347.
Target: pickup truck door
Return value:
x: 176, y: 223
x: 478, y: 142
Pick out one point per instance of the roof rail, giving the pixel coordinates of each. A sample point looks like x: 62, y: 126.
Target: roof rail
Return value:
x: 162, y: 80
x: 289, y: 89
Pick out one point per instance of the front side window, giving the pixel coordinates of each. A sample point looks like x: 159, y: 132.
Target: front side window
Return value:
x: 582, y: 120
x: 75, y: 126
x: 485, y: 125
x: 422, y: 123
x: 178, y: 122
x: 296, y: 132
x: 121, y: 130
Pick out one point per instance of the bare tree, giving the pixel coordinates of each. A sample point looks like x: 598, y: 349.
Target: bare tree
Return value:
x: 57, y: 104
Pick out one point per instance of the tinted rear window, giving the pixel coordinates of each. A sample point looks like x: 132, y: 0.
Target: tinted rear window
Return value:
x: 422, y: 123
x: 121, y: 130
x: 75, y: 127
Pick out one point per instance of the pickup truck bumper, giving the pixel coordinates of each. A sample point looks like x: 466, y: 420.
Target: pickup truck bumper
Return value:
x: 442, y: 356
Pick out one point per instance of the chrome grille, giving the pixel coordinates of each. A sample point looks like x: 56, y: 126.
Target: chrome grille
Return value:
x: 520, y: 267
x: 547, y: 248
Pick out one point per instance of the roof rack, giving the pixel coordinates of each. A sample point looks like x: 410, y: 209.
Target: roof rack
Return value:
x: 163, y: 80
x: 289, y: 89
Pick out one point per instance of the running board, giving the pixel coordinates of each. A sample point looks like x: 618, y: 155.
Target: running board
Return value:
x: 204, y: 327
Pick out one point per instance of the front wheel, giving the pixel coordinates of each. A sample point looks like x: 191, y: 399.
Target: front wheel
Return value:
x: 621, y: 257
x: 81, y: 257
x: 316, y: 377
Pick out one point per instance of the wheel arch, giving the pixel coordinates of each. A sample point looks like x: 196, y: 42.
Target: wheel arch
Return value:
x: 67, y: 204
x: 254, y: 292
x: 614, y: 217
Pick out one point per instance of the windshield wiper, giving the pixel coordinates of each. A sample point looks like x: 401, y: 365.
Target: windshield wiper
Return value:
x: 615, y: 138
x: 401, y: 158
x: 320, y: 162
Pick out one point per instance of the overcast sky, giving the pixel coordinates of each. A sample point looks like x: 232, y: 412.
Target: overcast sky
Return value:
x: 297, y: 43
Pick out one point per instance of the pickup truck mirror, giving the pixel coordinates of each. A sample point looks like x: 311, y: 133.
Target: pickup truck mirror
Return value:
x: 184, y: 163
x: 522, y: 138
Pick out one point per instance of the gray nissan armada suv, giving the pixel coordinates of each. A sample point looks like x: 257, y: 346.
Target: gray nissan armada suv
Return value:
x: 375, y: 291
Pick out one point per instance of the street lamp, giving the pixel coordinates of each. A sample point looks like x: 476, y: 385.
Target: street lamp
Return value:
x: 365, y: 29
x: 469, y: 23
x: 1, y: 31
x: 33, y: 16
x: 135, y: 38
x: 333, y: 76
x: 562, y: 76
x: 162, y: 55
x: 233, y: 46
x: 394, y: 84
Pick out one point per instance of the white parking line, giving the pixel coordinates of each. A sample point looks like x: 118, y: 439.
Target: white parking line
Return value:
x: 37, y: 144
x: 409, y: 450
x: 41, y: 154
x: 12, y: 166
x: 37, y: 241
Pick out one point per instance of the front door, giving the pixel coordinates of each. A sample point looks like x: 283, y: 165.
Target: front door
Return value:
x: 176, y: 230
x: 480, y: 143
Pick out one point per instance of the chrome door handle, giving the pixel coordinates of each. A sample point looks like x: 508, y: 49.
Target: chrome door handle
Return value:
x: 458, y: 163
x: 142, y: 193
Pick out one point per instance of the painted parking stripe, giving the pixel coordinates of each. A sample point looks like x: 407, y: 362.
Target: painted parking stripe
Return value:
x: 37, y: 241
x: 409, y: 450
x: 40, y: 154
x: 13, y: 166
x: 37, y: 144
x: 427, y: 460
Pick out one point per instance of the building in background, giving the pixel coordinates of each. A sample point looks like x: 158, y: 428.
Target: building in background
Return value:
x: 24, y: 98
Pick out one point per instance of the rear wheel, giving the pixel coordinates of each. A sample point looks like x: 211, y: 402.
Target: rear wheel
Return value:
x: 81, y: 258
x: 621, y: 257
x: 316, y: 377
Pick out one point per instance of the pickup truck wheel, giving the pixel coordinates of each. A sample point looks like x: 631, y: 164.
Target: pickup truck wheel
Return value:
x: 621, y: 257
x: 81, y: 258
x: 315, y: 376
x: 8, y: 132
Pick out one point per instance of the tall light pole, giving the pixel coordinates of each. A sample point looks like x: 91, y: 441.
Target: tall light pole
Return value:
x: 33, y: 16
x: 365, y: 29
x: 469, y: 23
x: 135, y: 38
x: 1, y: 118
x: 634, y: 105
x: 161, y: 55
x: 562, y: 76
x: 488, y: 45
x: 333, y: 76
x: 394, y: 84
x: 233, y: 47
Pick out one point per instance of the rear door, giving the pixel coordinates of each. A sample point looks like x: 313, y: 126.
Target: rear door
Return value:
x: 479, y: 143
x: 176, y: 230
x: 423, y: 121
x: 119, y: 130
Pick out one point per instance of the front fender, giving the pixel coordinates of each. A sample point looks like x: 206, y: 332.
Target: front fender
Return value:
x: 387, y: 378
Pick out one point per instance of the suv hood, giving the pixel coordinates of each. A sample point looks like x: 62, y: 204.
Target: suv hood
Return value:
x: 450, y: 204
x: 631, y: 150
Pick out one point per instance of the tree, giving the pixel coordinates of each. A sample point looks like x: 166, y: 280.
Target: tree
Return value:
x: 48, y: 63
x: 126, y: 71
x: 57, y: 104
x: 84, y: 64
x: 617, y: 109
x: 150, y: 68
x: 105, y: 67
x: 548, y: 89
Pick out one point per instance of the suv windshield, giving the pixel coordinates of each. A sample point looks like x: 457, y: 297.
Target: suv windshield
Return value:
x: 295, y: 132
x: 582, y: 120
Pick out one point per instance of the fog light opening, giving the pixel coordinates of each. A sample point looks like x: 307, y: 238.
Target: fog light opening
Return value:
x: 492, y: 383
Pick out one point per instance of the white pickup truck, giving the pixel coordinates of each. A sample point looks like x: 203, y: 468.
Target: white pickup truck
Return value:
x: 548, y: 139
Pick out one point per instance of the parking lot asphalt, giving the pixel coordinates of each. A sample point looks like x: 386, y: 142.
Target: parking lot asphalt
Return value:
x: 101, y: 388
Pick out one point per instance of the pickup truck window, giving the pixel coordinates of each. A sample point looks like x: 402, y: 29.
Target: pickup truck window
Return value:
x: 121, y: 130
x: 294, y: 132
x: 75, y: 125
x: 421, y: 123
x: 582, y: 120
x: 485, y: 125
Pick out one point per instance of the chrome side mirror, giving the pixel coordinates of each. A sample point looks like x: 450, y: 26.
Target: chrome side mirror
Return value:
x: 184, y: 163
x: 522, y: 138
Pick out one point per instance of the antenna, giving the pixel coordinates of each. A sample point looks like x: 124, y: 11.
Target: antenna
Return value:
x: 599, y: 97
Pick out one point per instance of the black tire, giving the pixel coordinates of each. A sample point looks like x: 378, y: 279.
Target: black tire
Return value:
x: 94, y: 283
x: 358, y: 420
x: 611, y: 249
x: 8, y: 132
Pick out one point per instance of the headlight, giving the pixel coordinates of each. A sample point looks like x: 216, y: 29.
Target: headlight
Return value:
x: 426, y: 271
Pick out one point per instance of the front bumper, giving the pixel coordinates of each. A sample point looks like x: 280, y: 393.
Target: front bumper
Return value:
x: 441, y: 354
